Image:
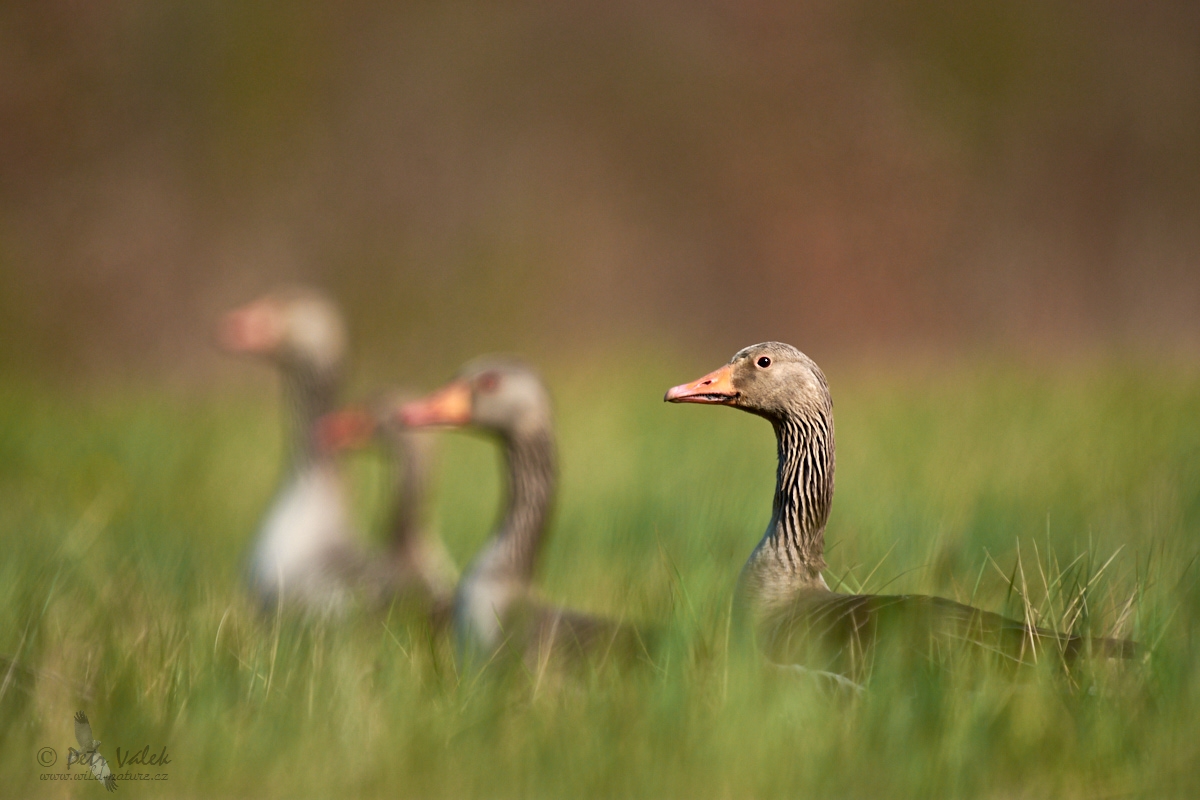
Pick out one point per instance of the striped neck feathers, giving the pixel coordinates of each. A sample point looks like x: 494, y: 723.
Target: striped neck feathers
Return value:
x: 790, y: 556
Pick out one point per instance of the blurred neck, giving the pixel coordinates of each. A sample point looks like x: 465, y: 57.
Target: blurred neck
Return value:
x: 532, y: 478
x: 308, y: 394
x: 410, y: 488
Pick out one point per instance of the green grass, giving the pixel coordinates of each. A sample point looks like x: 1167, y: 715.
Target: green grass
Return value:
x: 125, y: 517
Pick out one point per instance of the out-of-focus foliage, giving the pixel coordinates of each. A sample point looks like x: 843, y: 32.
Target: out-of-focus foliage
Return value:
x: 126, y: 516
x: 473, y: 176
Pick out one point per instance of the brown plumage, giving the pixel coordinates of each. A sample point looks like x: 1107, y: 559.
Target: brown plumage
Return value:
x: 795, y: 616
x: 495, y: 609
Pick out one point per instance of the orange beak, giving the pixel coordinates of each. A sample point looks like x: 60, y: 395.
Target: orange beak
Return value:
x: 253, y: 328
x: 715, y: 388
x: 450, y: 405
x: 345, y: 429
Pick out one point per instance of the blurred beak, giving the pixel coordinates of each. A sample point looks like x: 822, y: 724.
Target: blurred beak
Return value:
x: 346, y: 429
x: 715, y: 388
x: 252, y: 328
x: 450, y: 405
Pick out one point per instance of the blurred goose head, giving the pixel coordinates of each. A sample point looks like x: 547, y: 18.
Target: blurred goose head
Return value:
x: 502, y: 396
x: 298, y: 328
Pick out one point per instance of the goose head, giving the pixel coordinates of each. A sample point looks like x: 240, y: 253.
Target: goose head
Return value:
x: 295, y: 327
x: 501, y: 396
x: 772, y: 379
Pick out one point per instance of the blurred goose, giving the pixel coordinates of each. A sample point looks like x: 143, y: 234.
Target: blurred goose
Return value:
x: 306, y: 552
x: 494, y: 605
x: 418, y: 570
x: 797, y: 619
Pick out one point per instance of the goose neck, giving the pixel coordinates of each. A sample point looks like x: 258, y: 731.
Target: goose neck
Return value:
x: 790, y: 556
x: 308, y: 394
x: 532, y: 478
x: 410, y: 488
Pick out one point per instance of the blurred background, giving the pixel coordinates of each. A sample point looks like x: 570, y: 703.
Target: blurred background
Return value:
x: 859, y: 178
x: 981, y: 218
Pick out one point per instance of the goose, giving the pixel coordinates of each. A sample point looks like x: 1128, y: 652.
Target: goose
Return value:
x: 782, y: 596
x: 495, y: 607
x: 306, y: 553
x: 418, y: 570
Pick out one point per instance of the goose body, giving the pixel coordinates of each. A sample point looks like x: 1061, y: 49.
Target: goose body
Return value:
x: 303, y: 545
x: 421, y: 569
x: 306, y: 552
x: 415, y: 568
x: 495, y: 606
x: 836, y: 632
x: 485, y: 608
x: 782, y: 595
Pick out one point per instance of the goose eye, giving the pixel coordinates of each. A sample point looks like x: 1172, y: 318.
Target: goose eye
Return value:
x: 764, y: 362
x: 488, y: 382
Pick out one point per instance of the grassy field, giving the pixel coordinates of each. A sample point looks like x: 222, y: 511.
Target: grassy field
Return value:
x: 125, y: 516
